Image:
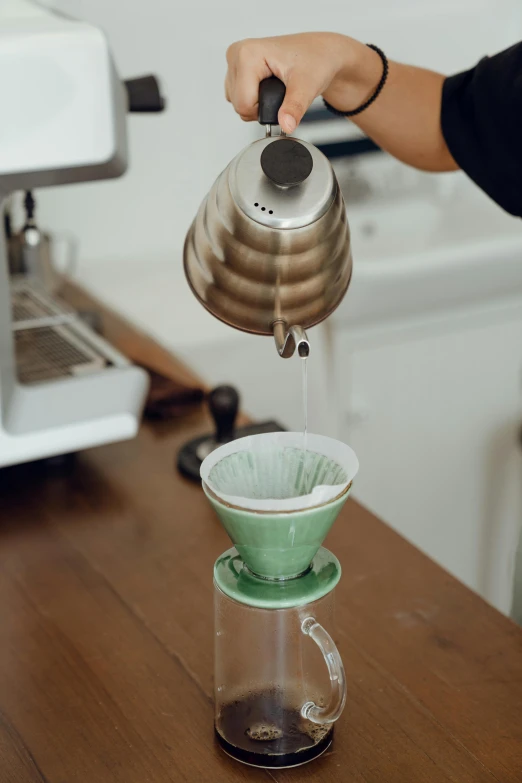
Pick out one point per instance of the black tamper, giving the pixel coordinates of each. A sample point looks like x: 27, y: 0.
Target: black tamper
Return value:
x: 223, y: 404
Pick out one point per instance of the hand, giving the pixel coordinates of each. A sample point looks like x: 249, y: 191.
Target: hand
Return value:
x: 310, y: 64
x: 404, y: 120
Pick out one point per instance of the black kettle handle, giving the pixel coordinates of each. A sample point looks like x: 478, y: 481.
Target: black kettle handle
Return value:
x: 271, y: 96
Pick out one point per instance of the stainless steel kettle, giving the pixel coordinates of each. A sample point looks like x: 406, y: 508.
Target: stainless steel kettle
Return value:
x: 269, y: 250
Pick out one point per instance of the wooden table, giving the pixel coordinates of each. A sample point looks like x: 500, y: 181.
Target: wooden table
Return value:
x: 106, y: 638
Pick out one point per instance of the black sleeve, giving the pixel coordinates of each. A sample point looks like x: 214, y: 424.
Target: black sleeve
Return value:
x: 481, y: 118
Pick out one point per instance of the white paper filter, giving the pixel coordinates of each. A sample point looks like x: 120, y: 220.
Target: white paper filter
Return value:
x: 271, y: 472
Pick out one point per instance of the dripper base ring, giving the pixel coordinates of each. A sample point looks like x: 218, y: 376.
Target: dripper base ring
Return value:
x: 238, y: 583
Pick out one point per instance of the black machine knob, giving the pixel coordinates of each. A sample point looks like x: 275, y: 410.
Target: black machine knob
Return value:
x: 223, y: 403
x: 144, y: 94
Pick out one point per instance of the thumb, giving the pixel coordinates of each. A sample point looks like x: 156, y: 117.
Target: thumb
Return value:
x: 299, y: 96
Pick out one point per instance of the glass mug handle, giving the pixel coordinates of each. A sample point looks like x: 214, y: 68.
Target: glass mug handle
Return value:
x: 326, y: 644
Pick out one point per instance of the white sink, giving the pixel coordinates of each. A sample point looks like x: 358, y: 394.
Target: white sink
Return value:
x: 383, y: 232
x: 413, y: 255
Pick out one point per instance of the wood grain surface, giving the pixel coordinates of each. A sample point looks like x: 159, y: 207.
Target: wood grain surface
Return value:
x: 106, y: 638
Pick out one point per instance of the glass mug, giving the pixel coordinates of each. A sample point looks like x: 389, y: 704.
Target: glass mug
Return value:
x: 279, y: 678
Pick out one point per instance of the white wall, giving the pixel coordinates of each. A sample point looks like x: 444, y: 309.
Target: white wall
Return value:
x: 175, y: 157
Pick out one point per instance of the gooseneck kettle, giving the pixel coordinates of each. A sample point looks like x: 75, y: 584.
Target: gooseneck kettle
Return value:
x: 269, y: 250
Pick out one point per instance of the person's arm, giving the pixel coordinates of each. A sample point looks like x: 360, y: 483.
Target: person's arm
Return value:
x: 404, y: 120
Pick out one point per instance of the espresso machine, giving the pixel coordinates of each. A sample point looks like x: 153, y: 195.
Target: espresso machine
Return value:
x: 62, y: 386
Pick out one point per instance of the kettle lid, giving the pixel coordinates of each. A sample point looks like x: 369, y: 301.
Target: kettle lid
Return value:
x: 286, y: 164
x: 282, y: 183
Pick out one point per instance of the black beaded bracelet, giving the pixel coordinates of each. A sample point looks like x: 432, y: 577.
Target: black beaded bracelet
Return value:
x: 373, y: 97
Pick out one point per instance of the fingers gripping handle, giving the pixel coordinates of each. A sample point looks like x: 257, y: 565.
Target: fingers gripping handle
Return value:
x: 331, y: 712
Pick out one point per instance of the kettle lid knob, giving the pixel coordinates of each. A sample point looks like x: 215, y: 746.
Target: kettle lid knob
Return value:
x: 286, y: 162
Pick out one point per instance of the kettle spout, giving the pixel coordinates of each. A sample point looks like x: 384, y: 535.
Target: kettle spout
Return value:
x: 287, y: 340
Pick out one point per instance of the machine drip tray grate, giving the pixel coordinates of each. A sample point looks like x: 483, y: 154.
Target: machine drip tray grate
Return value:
x: 32, y: 308
x: 26, y: 308
x: 49, y: 353
x: 47, y: 337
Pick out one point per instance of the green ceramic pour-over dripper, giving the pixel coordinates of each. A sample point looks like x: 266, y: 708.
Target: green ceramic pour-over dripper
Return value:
x: 276, y: 501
